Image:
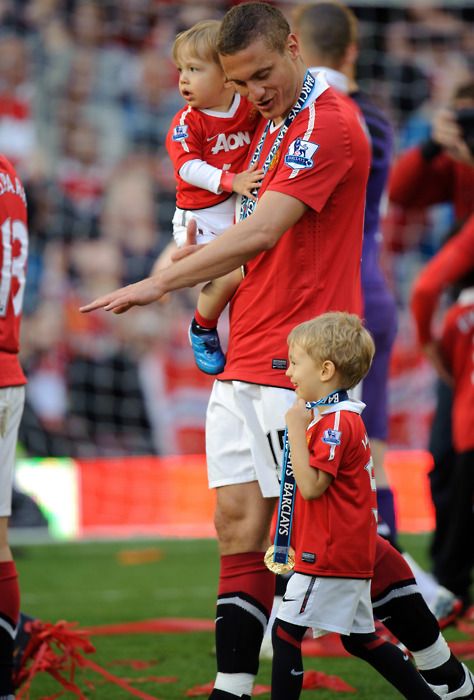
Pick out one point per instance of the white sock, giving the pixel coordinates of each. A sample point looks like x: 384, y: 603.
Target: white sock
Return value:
x: 432, y: 657
x: 235, y: 683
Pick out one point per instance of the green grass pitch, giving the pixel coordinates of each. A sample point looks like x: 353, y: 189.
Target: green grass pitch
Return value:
x: 90, y: 584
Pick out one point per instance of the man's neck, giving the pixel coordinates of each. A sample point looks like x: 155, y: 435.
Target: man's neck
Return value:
x: 301, y: 72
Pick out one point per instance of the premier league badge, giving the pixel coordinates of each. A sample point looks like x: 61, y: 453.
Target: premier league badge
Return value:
x: 180, y: 132
x: 300, y: 154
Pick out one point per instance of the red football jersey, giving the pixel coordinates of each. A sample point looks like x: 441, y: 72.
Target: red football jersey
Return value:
x: 416, y: 183
x: 448, y: 265
x: 220, y: 139
x: 457, y: 347
x: 315, y: 266
x: 13, y: 257
x: 335, y: 534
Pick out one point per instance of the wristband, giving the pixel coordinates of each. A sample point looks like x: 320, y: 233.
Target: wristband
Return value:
x: 226, y: 181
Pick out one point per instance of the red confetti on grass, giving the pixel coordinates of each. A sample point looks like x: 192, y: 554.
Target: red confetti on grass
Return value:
x: 58, y: 649
x: 317, y: 679
x: 170, y: 625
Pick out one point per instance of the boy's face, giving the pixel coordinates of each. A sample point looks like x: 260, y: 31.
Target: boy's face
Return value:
x: 202, y: 83
x: 306, y: 375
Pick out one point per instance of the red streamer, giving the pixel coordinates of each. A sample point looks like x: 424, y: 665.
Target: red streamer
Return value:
x: 58, y: 649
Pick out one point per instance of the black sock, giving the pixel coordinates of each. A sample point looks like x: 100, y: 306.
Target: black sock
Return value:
x: 6, y: 660
x: 287, y: 666
x: 391, y: 663
x: 239, y: 634
x: 409, y: 619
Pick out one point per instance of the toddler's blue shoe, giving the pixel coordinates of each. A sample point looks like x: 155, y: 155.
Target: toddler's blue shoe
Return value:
x: 207, y: 350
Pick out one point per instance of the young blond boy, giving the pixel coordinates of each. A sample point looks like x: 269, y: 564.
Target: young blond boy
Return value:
x: 335, y: 519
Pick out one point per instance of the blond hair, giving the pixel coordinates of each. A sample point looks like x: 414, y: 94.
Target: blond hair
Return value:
x: 341, y: 338
x: 199, y: 41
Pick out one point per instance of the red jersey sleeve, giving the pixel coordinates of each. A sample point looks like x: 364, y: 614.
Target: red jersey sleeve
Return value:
x: 325, y: 139
x: 185, y: 138
x: 417, y: 183
x: 450, y: 264
x: 326, y: 443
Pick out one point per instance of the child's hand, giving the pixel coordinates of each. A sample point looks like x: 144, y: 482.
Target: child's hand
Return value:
x: 298, y: 417
x: 247, y: 181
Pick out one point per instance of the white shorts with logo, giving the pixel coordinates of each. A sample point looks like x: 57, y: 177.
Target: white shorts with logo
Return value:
x: 245, y: 424
x: 341, y: 605
x: 211, y: 222
x: 12, y: 399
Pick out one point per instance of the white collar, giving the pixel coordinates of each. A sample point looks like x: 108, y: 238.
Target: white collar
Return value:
x: 466, y: 297
x: 335, y: 78
x: 352, y: 405
x: 233, y: 109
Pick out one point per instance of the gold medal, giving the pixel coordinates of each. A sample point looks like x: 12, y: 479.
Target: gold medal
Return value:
x: 275, y: 566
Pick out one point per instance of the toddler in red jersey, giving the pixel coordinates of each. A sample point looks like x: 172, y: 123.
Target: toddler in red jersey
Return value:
x: 335, y: 515
x: 208, y: 142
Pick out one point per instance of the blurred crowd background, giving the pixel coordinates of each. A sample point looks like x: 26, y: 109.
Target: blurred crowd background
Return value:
x: 87, y: 91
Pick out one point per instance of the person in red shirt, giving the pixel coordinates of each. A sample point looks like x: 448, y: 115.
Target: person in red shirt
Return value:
x: 438, y: 171
x: 208, y: 143
x: 301, y: 246
x: 335, y: 514
x: 13, y: 259
x: 452, y: 356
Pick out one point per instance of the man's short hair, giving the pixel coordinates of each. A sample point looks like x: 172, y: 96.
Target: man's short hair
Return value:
x: 199, y: 41
x: 244, y: 24
x: 341, y: 338
x: 328, y: 27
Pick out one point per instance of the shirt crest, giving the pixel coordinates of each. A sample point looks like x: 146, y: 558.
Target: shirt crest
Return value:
x: 180, y: 132
x: 332, y: 437
x: 300, y: 154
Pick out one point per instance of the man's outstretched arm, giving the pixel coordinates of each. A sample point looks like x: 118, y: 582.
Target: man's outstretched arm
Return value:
x: 275, y: 213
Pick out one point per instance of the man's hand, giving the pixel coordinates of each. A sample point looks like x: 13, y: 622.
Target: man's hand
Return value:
x: 190, y: 246
x: 139, y: 294
x: 448, y: 134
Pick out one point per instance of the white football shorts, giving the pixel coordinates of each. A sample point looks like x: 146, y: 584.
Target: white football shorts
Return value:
x: 12, y: 399
x: 211, y: 222
x: 341, y: 605
x: 245, y: 424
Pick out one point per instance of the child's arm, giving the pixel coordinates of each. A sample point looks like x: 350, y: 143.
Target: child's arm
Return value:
x: 200, y: 174
x: 311, y: 482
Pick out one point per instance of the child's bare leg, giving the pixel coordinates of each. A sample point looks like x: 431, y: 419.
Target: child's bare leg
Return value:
x: 215, y: 296
x: 205, y: 342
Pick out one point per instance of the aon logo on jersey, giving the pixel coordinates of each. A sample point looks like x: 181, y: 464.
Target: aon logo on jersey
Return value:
x: 231, y: 141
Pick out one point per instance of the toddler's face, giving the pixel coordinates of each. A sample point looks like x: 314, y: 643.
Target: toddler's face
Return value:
x: 202, y: 83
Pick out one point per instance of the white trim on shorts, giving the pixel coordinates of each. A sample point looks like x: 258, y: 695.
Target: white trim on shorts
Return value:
x: 12, y: 399
x: 341, y: 605
x: 244, y: 434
